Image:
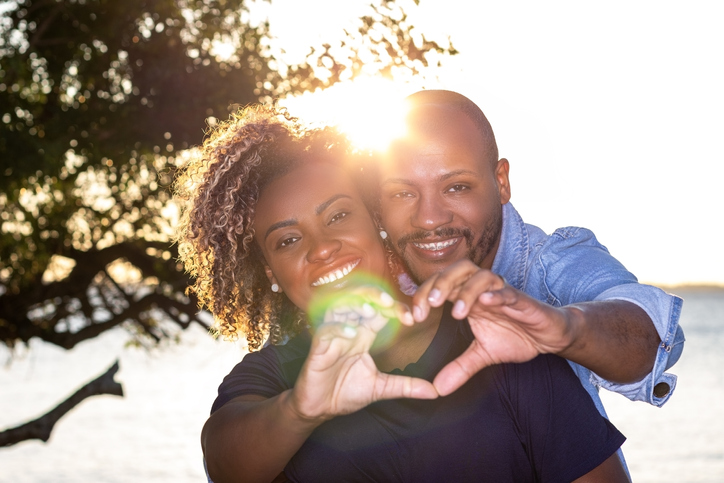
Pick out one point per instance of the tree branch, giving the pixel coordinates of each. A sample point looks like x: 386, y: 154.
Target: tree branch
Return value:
x: 41, y: 428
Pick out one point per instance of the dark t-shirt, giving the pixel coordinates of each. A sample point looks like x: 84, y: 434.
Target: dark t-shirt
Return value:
x: 512, y: 422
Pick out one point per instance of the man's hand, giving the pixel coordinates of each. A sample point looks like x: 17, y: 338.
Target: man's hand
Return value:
x: 339, y: 375
x: 509, y: 326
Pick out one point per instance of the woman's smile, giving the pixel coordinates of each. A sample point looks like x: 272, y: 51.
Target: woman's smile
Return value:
x: 337, y: 274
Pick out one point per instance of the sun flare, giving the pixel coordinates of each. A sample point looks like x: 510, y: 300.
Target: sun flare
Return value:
x: 369, y: 110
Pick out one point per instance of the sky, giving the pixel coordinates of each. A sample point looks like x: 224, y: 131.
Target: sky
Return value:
x: 611, y: 114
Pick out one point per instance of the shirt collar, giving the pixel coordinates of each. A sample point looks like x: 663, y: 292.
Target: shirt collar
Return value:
x: 513, y: 250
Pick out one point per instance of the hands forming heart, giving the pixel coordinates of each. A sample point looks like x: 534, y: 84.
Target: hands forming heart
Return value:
x: 340, y: 376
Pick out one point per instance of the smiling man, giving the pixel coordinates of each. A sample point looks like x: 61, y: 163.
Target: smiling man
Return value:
x: 445, y: 197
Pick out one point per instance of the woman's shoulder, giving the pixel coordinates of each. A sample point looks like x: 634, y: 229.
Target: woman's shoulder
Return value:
x: 290, y: 350
x: 267, y: 372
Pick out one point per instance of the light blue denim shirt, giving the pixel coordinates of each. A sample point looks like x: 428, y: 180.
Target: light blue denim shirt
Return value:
x: 571, y: 266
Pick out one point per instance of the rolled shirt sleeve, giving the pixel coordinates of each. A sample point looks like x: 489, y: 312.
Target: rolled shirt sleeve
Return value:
x: 664, y: 310
x: 572, y: 266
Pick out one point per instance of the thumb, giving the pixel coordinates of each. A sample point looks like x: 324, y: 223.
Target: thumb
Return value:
x: 458, y: 372
x: 390, y: 386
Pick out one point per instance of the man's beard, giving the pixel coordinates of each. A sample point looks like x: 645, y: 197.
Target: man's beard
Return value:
x: 476, y: 251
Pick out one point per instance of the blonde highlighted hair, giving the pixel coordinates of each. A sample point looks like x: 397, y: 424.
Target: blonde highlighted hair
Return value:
x: 217, y: 190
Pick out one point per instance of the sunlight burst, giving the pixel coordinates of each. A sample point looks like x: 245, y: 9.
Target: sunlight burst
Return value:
x: 369, y: 110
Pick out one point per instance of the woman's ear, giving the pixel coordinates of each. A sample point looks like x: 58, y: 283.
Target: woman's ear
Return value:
x: 272, y: 279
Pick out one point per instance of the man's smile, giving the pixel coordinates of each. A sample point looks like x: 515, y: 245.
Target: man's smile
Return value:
x: 436, y: 246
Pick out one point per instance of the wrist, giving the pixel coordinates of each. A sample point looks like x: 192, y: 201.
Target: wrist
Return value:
x: 574, y: 335
x: 296, y: 414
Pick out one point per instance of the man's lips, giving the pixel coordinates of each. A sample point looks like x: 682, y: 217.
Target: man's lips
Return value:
x: 436, y: 246
x: 336, y: 274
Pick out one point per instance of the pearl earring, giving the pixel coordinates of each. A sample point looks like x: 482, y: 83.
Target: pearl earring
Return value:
x: 275, y: 287
x: 383, y: 234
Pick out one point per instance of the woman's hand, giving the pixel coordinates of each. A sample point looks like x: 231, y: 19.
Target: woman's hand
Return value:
x: 339, y: 375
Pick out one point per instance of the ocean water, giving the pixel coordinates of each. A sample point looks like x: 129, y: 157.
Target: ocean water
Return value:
x: 152, y: 434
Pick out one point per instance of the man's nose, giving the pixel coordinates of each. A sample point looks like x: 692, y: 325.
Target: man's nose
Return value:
x: 322, y: 249
x: 431, y: 213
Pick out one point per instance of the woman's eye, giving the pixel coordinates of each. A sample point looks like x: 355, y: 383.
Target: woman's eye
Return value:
x: 337, y: 217
x: 288, y: 241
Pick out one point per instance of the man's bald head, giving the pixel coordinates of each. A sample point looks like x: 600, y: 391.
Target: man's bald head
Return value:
x: 427, y: 114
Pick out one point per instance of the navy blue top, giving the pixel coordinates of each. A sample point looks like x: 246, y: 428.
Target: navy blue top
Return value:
x: 512, y: 422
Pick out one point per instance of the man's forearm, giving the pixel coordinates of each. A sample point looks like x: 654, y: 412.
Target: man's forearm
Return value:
x: 615, y: 339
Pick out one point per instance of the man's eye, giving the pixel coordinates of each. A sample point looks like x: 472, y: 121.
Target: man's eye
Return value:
x: 288, y: 241
x: 337, y: 217
x: 458, y: 187
x: 402, y: 195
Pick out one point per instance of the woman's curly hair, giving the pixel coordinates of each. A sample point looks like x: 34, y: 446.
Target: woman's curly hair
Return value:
x: 217, y: 190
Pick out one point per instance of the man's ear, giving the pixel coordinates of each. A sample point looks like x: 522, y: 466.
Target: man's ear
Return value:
x: 502, y: 170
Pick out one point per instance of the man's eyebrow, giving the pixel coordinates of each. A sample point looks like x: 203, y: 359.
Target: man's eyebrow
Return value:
x: 396, y: 181
x: 323, y: 206
x: 442, y: 177
x: 457, y: 172
x: 280, y: 224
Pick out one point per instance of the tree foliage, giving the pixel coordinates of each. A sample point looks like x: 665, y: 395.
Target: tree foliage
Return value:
x: 98, y: 101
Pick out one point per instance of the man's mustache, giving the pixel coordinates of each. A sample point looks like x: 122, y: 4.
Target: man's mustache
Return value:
x: 446, y: 232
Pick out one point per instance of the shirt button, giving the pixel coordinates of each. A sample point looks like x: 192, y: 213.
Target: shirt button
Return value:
x: 661, y: 389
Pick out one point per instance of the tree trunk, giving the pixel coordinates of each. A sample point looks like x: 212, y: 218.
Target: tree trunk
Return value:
x: 42, y: 427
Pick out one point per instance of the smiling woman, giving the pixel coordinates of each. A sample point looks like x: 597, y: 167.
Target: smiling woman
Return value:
x: 314, y: 237
x: 218, y: 191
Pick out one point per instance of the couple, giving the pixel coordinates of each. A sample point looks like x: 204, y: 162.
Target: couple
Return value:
x: 275, y: 219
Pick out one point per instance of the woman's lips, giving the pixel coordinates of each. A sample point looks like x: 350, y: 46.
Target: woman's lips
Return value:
x: 336, y: 274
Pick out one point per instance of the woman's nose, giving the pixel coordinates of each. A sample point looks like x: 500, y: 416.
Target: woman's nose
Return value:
x: 323, y: 249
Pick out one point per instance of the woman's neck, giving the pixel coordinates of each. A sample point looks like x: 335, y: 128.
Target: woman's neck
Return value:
x: 398, y: 345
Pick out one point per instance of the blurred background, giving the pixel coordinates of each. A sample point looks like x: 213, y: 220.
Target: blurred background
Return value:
x: 609, y: 114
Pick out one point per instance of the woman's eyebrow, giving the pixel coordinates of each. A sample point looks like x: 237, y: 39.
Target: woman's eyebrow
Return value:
x: 323, y: 206
x: 280, y: 224
x: 293, y: 221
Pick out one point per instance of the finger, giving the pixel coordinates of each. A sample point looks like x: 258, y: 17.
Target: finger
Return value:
x: 390, y: 386
x: 443, y: 286
x: 504, y: 296
x: 483, y: 281
x: 459, y: 371
x: 333, y: 340
x: 420, y: 300
x: 329, y: 330
x: 362, y: 298
x: 374, y: 294
x: 404, y: 314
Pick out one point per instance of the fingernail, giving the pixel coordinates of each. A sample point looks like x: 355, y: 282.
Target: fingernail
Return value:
x: 368, y: 310
x: 349, y: 331
x: 459, y: 307
x: 407, y: 318
x: 386, y: 299
x: 433, y: 295
x: 417, y: 313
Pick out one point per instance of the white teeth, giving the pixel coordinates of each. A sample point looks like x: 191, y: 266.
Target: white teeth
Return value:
x: 336, y: 275
x: 435, y: 246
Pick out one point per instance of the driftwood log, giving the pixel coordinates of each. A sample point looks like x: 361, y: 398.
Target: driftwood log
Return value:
x: 41, y: 428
